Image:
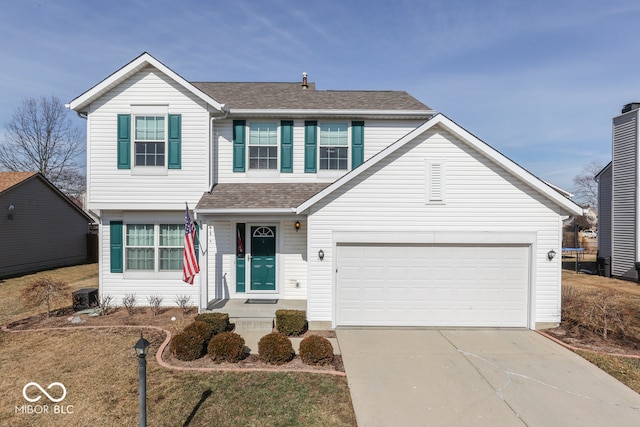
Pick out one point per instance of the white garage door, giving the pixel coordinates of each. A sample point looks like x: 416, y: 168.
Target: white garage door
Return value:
x: 432, y: 285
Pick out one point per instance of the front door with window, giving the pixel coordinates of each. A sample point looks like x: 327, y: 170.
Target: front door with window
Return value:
x: 263, y: 258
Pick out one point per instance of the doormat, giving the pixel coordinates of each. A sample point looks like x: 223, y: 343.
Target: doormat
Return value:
x: 261, y: 301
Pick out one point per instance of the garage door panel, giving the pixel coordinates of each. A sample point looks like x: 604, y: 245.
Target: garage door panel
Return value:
x: 435, y: 285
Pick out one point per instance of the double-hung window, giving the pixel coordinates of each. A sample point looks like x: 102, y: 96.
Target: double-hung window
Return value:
x: 154, y: 247
x: 150, y: 140
x: 263, y: 145
x: 334, y: 146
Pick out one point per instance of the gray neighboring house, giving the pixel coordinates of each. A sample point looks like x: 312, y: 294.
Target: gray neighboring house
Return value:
x: 40, y: 228
x: 618, y: 198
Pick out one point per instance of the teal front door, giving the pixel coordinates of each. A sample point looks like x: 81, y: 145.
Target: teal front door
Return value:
x: 263, y: 258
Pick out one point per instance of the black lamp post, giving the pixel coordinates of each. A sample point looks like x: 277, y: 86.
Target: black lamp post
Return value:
x: 142, y: 348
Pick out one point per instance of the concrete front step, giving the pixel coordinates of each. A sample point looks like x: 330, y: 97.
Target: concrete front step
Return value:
x: 252, y: 324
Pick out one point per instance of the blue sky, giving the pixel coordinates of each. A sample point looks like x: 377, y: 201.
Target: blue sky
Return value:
x: 537, y: 80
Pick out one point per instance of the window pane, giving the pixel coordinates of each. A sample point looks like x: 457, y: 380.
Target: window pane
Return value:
x: 263, y: 133
x: 139, y: 259
x: 149, y: 153
x: 149, y: 128
x: 139, y: 235
x: 333, y: 134
x: 333, y: 158
x: 172, y: 235
x: 263, y: 157
x: 171, y: 258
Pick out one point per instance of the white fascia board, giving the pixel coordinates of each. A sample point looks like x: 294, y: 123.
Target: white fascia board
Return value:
x: 418, y: 114
x: 223, y: 211
x: 130, y: 69
x: 469, y: 139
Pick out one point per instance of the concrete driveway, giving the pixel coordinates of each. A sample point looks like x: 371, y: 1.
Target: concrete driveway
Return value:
x: 488, y: 377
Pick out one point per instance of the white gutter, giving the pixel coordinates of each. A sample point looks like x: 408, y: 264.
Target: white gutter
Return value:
x: 245, y: 211
x: 212, y: 178
x: 324, y: 112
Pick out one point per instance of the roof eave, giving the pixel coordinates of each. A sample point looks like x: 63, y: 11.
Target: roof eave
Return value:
x: 244, y: 211
x: 276, y: 112
x: 81, y: 102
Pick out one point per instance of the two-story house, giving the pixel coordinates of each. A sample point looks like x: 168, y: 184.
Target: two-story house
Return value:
x: 366, y: 204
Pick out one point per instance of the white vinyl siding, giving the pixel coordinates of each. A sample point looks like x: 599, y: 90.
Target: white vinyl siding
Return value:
x: 290, y: 259
x: 143, y: 94
x: 481, y: 198
x: 625, y: 177
x: 378, y: 135
x: 166, y: 284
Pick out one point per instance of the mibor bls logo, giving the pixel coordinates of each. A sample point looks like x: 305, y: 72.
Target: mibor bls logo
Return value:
x: 33, y: 392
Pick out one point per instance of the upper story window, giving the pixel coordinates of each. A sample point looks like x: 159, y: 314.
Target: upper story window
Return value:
x: 334, y: 146
x: 149, y: 140
x: 263, y: 145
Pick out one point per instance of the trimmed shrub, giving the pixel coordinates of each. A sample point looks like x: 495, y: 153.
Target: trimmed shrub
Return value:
x: 226, y: 347
x: 291, y: 322
x: 187, y: 346
x: 204, y: 329
x: 219, y: 321
x: 316, y: 350
x: 275, y: 349
x: 191, y: 343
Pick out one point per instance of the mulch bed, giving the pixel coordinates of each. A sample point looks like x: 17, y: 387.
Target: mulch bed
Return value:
x: 172, y: 320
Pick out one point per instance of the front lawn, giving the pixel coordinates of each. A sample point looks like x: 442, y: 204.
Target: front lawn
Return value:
x: 99, y: 371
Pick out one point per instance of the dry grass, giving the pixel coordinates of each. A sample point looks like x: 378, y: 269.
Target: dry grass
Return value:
x: 12, y: 306
x: 99, y: 370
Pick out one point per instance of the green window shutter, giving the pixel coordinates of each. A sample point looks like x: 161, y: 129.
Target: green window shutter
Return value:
x: 286, y: 146
x: 357, y: 144
x: 239, y: 137
x: 117, y: 250
x: 196, y: 241
x: 175, y: 141
x: 310, y: 143
x: 124, y: 141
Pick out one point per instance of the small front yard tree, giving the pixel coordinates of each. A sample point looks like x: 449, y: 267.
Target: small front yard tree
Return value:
x: 44, y: 290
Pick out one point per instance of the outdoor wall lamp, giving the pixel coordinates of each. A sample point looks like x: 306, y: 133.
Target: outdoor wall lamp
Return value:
x: 11, y: 208
x: 297, y: 226
x: 142, y: 348
x: 321, y: 254
x: 551, y: 254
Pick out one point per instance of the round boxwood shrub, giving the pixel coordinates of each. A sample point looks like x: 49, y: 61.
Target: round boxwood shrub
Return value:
x: 219, y: 321
x: 226, y: 347
x: 316, y: 350
x: 275, y: 349
x: 190, y: 344
x: 203, y: 329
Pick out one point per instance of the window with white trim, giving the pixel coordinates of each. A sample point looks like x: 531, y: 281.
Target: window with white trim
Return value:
x: 150, y: 140
x: 263, y: 145
x: 154, y: 247
x: 334, y: 146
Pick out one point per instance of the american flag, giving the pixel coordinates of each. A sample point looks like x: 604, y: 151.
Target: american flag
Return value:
x: 190, y: 265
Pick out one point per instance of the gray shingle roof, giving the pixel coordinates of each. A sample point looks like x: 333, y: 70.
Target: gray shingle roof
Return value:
x: 285, y: 96
x: 259, y: 195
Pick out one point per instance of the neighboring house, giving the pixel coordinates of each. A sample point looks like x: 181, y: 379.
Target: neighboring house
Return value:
x: 366, y: 204
x: 618, y: 197
x: 40, y: 228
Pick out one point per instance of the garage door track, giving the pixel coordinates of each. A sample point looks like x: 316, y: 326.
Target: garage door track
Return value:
x: 487, y: 377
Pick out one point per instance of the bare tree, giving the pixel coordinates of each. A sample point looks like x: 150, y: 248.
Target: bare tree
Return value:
x: 40, y: 137
x: 585, y: 185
